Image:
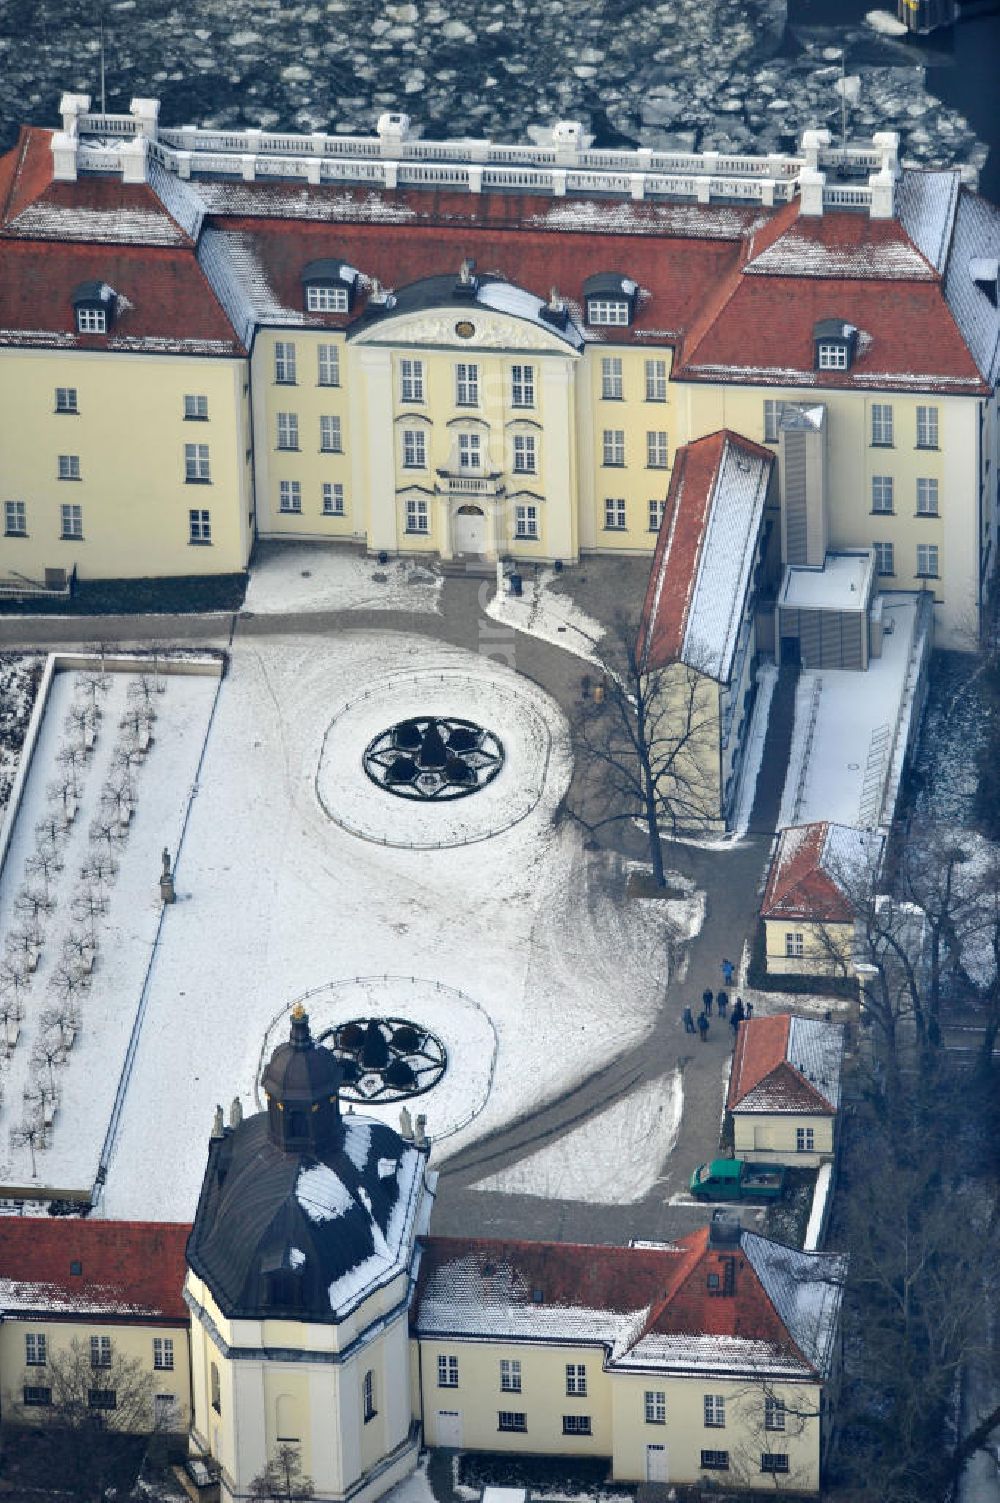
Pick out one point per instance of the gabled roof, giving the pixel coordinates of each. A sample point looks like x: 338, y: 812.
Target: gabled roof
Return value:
x: 129, y: 1270
x: 650, y: 1308
x: 786, y: 1064
x: 818, y: 872
x: 704, y: 553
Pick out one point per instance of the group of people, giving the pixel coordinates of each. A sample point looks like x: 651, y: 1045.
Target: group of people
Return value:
x: 720, y: 1000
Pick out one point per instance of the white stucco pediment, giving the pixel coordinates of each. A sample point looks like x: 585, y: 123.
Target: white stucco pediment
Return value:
x: 489, y: 331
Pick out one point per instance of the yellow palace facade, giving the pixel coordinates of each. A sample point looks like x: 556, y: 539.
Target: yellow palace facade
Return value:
x: 473, y: 351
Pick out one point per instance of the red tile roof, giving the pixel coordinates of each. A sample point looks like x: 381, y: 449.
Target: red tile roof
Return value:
x: 130, y: 1270
x: 798, y: 884
x: 761, y: 1058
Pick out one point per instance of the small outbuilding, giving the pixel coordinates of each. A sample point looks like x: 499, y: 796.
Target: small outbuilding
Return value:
x: 784, y: 1089
x: 819, y: 877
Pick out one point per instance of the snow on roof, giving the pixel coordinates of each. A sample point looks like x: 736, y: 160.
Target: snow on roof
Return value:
x: 322, y: 1194
x: 506, y: 297
x: 799, y: 253
x: 842, y: 584
x: 806, y: 1289
x: 714, y: 222
x: 976, y: 237
x: 177, y: 197
x: 926, y: 203
x: 392, y: 1249
x: 269, y: 201
x: 225, y: 270
x: 816, y: 1049
x: 714, y: 1354
x: 786, y: 1064
x: 818, y: 871
x: 45, y: 220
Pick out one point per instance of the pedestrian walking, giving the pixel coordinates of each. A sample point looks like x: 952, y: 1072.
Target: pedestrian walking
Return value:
x: 738, y: 1013
x: 706, y: 1001
x: 703, y: 1025
x: 734, y: 1023
x: 748, y: 1010
x: 721, y: 1003
x: 688, y: 1016
x: 728, y: 972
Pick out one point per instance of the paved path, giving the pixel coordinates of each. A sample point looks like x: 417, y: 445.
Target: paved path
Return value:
x: 731, y: 878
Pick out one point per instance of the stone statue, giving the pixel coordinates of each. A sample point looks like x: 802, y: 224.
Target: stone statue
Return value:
x: 405, y: 1125
x: 165, y: 858
x: 218, y: 1129
x: 420, y: 1132
x: 236, y: 1112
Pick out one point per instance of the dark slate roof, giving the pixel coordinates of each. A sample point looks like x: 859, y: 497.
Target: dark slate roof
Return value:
x: 334, y: 1228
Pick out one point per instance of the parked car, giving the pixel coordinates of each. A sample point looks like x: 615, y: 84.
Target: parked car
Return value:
x: 735, y: 1179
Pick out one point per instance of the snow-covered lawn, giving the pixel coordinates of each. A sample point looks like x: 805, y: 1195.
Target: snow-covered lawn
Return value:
x: 87, y: 1079
x: 554, y: 617
x: 614, y: 1158
x: 302, y: 577
x: 276, y: 898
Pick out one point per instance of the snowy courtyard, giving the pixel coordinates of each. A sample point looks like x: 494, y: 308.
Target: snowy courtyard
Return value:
x: 278, y: 899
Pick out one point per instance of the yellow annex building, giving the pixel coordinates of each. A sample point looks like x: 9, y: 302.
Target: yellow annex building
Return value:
x: 474, y: 350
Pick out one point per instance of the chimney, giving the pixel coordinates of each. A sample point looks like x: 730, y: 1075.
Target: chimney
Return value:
x: 802, y: 475
x: 724, y: 1231
x: 393, y: 129
x: 146, y: 114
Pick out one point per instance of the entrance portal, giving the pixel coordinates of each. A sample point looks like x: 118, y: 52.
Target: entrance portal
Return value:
x: 470, y: 530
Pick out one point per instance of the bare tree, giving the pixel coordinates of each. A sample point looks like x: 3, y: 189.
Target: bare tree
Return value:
x: 137, y: 723
x: 72, y: 759
x: 53, y: 827
x: 15, y: 980
x: 89, y: 906
x: 34, y: 903
x: 82, y: 724
x: 44, y: 865
x: 647, y: 748
x: 70, y: 981
x: 62, y: 1019
x: 282, y: 1480
x: 79, y: 949
x: 30, y: 1133
x: 41, y: 1097
x: 11, y: 1016
x: 48, y: 1052
x: 23, y: 946
x: 100, y: 871
x: 106, y: 833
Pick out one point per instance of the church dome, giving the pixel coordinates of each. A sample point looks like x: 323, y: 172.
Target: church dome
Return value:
x: 303, y: 1213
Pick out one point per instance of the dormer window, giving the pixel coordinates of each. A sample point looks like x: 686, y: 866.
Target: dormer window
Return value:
x: 330, y: 286
x: 834, y: 341
x: 93, y: 303
x: 610, y: 299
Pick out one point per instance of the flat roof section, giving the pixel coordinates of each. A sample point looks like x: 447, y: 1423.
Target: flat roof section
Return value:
x: 843, y: 584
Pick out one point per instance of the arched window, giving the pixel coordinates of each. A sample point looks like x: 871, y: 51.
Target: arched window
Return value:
x: 216, y: 1390
x: 368, y: 1396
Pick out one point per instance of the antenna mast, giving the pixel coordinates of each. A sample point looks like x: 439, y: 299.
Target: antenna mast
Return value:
x: 104, y: 102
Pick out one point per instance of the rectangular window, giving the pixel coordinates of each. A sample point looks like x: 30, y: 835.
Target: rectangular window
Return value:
x: 656, y: 450
x: 195, y: 409
x: 656, y: 380
x: 35, y: 1350
x: 66, y: 399
x: 163, y: 1353
x: 197, y: 470
x: 774, y: 1414
x: 414, y: 449
x: 833, y: 357
x: 69, y: 467
x: 606, y: 311
x: 612, y: 385
x: 804, y: 1139
x: 794, y: 944
x: 466, y: 385
x: 199, y: 527
x: 411, y: 374
x: 522, y: 386
x: 576, y: 1379
x: 100, y: 1351
x: 715, y: 1411
x: 882, y: 493
x: 288, y: 430
x: 36, y: 1398
x: 330, y: 438
x: 326, y: 299
x: 884, y: 558
x: 368, y: 1395
x: 469, y: 451
x: 328, y: 372
x: 507, y: 1419
x: 656, y: 510
x: 447, y: 1366
x: 524, y: 454
x: 614, y: 446
x: 289, y: 495
x: 71, y: 521
x: 774, y: 1461
x: 927, y: 561
x: 526, y: 521
x: 882, y: 425
x: 15, y: 519
x: 715, y: 1461
x: 91, y: 320
x: 417, y: 520
x: 102, y: 1398
x: 333, y: 499
x: 772, y: 420
x: 656, y: 1406
x: 284, y: 363
x: 576, y: 1424
x: 927, y: 428
x: 927, y: 498
x: 510, y: 1375
x: 614, y: 514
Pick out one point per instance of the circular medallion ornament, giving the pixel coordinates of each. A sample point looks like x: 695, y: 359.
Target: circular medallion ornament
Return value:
x: 464, y: 329
x: 434, y: 758
x: 385, y: 1059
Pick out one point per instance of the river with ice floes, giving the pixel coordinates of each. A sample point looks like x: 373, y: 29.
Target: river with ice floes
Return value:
x: 725, y: 74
